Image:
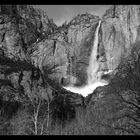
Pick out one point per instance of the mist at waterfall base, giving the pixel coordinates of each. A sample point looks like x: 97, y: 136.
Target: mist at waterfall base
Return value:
x: 94, y: 76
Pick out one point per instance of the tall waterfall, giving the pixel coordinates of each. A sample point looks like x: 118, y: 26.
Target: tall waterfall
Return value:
x: 94, y: 77
x: 93, y: 64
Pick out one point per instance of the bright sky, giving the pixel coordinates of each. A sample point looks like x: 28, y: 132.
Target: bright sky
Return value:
x: 61, y: 13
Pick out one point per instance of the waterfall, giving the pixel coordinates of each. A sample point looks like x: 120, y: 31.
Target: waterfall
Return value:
x: 94, y: 77
x: 93, y: 64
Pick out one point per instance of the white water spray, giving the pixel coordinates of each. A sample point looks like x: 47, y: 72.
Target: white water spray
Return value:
x: 94, y: 77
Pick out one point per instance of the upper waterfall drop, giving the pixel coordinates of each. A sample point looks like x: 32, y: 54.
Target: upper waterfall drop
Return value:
x: 94, y: 77
x: 93, y: 64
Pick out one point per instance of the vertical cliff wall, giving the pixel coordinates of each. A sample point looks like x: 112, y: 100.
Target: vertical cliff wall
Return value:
x: 119, y: 33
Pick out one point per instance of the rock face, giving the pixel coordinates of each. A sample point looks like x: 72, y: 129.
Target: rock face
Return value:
x: 20, y: 27
x: 30, y: 39
x: 119, y: 33
x: 67, y: 50
x: 81, y: 33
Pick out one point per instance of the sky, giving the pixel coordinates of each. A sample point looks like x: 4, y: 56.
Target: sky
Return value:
x: 62, y: 13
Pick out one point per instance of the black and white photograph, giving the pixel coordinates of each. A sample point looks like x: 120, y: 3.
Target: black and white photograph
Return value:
x: 69, y: 69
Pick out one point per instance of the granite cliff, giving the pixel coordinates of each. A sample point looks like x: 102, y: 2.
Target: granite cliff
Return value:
x: 34, y: 51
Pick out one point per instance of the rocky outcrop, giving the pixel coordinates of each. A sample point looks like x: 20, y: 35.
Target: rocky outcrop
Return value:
x: 20, y: 27
x: 119, y: 33
x: 67, y: 50
x: 52, y: 58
